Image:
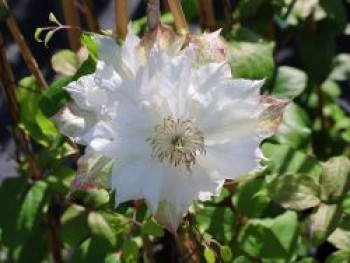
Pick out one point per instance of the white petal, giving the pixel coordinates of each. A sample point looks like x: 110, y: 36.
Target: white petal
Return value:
x: 231, y: 160
x: 180, y: 188
x: 75, y: 123
x: 122, y: 58
x: 138, y: 179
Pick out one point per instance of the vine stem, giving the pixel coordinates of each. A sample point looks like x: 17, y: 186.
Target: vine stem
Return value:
x: 6, y: 76
x: 121, y: 18
x: 23, y: 48
x: 153, y: 13
x: 71, y: 17
x: 179, y: 16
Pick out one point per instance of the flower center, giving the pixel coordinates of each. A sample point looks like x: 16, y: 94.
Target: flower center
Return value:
x: 177, y: 142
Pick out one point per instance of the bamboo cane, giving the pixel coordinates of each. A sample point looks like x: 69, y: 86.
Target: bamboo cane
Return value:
x: 6, y: 77
x: 228, y: 14
x: 179, y: 16
x: 71, y: 17
x: 206, y: 14
x: 121, y: 18
x: 90, y: 17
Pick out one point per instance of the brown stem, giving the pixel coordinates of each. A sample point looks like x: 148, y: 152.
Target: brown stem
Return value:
x: 90, y: 16
x: 179, y: 16
x: 153, y: 13
x: 54, y: 237
x: 71, y: 16
x: 228, y: 15
x: 187, y: 244
x: 320, y: 106
x: 121, y: 18
x: 206, y: 14
x: 25, y: 51
x: 6, y: 76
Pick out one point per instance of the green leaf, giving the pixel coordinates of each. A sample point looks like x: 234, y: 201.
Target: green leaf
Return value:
x: 295, y: 191
x: 294, y: 129
x: 32, y: 119
x: 289, y: 83
x: 113, y: 258
x: 251, y: 60
x: 270, y: 238
x: 95, y: 198
x: 37, y: 34
x: 92, y: 198
x: 252, y: 198
x: 341, y: 68
x: 335, y: 179
x: 12, y: 192
x: 339, y: 257
x: 151, y: 227
x: 340, y: 238
x: 100, y: 228
x: 209, y: 255
x: 323, y: 222
x: 226, y: 254
x: 74, y: 225
x: 345, y: 203
x: 55, y: 97
x: 90, y: 44
x: 217, y: 221
x: 48, y: 37
x: 32, y: 207
x: 53, y: 19
x: 130, y: 251
x: 283, y: 159
x: 92, y: 250
x: 241, y: 259
x: 65, y: 62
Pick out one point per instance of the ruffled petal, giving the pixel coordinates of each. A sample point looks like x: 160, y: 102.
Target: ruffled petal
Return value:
x: 94, y: 171
x: 75, y: 123
x: 140, y: 178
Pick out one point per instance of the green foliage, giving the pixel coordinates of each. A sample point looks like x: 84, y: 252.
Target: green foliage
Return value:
x: 270, y: 238
x: 251, y: 60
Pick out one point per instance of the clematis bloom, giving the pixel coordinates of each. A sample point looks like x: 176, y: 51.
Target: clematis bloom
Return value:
x: 166, y: 116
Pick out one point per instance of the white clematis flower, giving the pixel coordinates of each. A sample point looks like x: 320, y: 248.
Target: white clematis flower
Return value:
x: 171, y: 118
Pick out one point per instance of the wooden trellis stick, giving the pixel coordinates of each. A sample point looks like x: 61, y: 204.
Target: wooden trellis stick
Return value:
x: 71, y: 16
x: 7, y: 79
x: 206, y: 14
x: 90, y: 16
x: 179, y: 16
x: 22, y: 45
x: 121, y: 18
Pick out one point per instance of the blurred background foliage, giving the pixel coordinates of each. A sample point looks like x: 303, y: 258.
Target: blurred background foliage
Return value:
x: 295, y: 210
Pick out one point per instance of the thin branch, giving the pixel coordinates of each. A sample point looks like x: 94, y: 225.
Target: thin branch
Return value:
x: 179, y: 16
x: 24, y: 49
x: 6, y: 76
x: 121, y: 18
x: 71, y: 16
x: 153, y: 13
